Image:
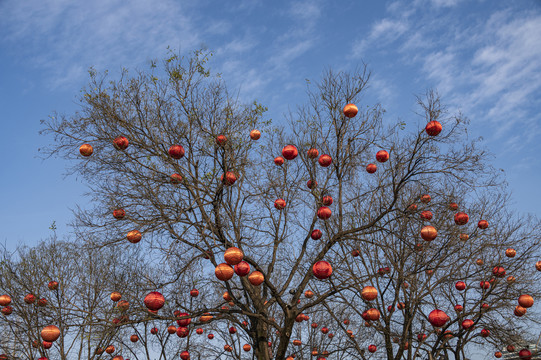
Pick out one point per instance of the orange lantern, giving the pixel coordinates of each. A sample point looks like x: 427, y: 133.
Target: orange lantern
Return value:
x: 86, y: 149
x: 255, y: 134
x: 256, y: 278
x: 134, y: 236
x: 429, y: 233
x: 115, y: 296
x: 433, y: 128
x: 233, y: 255
x: 425, y: 198
x: 224, y: 272
x: 50, y: 333
x: 280, y: 204
x: 279, y: 160
x: 382, y: 156
x: 371, y: 168
x: 526, y: 301
x: 369, y: 293
x: 483, y: 224
x: 5, y: 300
x: 350, y: 110
x: 221, y: 140
x: 461, y: 218
x: 510, y: 252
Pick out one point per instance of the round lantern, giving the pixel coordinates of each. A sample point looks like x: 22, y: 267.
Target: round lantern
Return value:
x: 369, y: 293
x: 461, y: 218
x: 119, y: 214
x: 110, y: 349
x: 316, y: 234
x: 229, y: 179
x: 289, y: 152
x: 437, y: 318
x: 154, y: 301
x: 425, y: 198
x: 498, y: 354
x: 426, y: 215
x: 510, y: 348
x: 433, y: 128
x: 279, y: 160
x: 185, y: 321
x: 280, y: 204
x: 484, y: 285
x: 372, y: 314
x: 206, y: 317
x: 371, y: 168
x: 255, y: 134
x: 510, y: 252
x: 53, y: 285
x: 256, y: 278
x: 483, y: 224
x: 29, y: 299
x: 242, y: 268
x: 519, y: 311
x: 199, y: 331
x: 372, y: 348
x: 134, y: 236
x: 324, y: 213
x: 464, y: 237
x: 50, y: 333
x: 182, y: 331
x: 185, y: 355
x: 154, y: 331
x: 327, y: 200
x: 350, y: 110
x: 308, y: 294
x: 224, y: 272
x: 525, y: 354
x: 134, y: 338
x: 460, y: 285
x: 5, y: 300
x: 322, y: 270
x: 246, y: 347
x: 325, y: 160
x: 7, y: 310
x: 421, y: 337
x: 86, y: 150
x: 176, y: 151
x: 311, y: 184
x: 467, y: 324
x: 194, y: 293
x: 485, y: 333
x: 176, y: 178
x: 312, y: 153
x: 115, y: 296
x: 526, y: 301
x: 221, y: 140
x: 429, y: 233
x: 233, y: 255
x: 121, y: 143
x: 382, y: 156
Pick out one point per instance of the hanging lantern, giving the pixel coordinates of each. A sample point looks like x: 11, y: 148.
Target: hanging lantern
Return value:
x: 154, y: 301
x: 224, y: 272
x: 322, y: 270
x: 86, y: 150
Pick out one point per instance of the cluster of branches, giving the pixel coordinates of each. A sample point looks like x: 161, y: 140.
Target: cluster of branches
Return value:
x: 187, y: 226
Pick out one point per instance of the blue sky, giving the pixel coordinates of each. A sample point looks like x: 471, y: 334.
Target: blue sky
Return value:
x: 482, y: 56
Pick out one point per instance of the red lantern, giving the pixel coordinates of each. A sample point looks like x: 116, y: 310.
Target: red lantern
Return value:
x: 115, y: 296
x: 322, y: 270
x: 484, y: 285
x: 316, y: 234
x: 176, y: 178
x: 372, y: 314
x: 246, y: 347
x: 426, y: 215
x: 279, y: 160
x: 485, y: 333
x: 134, y: 338
x: 182, y: 331
x: 483, y: 224
x: 185, y: 355
x: 429, y: 233
x: 229, y: 179
x: 232, y: 330
x: 467, y: 324
x: 308, y: 294
x: 221, y: 140
x: 437, y: 318
x: 461, y: 218
x: 256, y: 278
x: 29, y: 299
x: 525, y: 354
x: 526, y: 301
x: 421, y: 337
x: 186, y: 319
x: 325, y: 160
x: 510, y: 348
x: 242, y: 268
x: 369, y: 293
x: 86, y: 149
x: 154, y: 301
x: 199, y: 331
x: 433, y: 128
x: 47, y: 344
x: 425, y: 198
x: 519, y: 311
x: 460, y: 285
x: 510, y: 252
x: 121, y: 143
x: 371, y: 168
x: 233, y: 255
x: 453, y: 206
x: 194, y: 293
x: 42, y: 302
x: 154, y: 331
x: 134, y: 236
x: 255, y: 134
x: 50, y: 333
x: 224, y: 272
x: 53, y: 285
x: 372, y: 348
x: 498, y: 271
x: 350, y: 110
x: 382, y: 156
x: 498, y: 354
x: 324, y: 213
x: 176, y: 151
x: 280, y: 204
x: 119, y: 214
x: 110, y: 349
x: 289, y: 152
x: 311, y: 184
x: 327, y: 200
x: 312, y: 153
x: 210, y: 336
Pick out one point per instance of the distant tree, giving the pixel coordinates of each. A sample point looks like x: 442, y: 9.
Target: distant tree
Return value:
x: 194, y: 185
